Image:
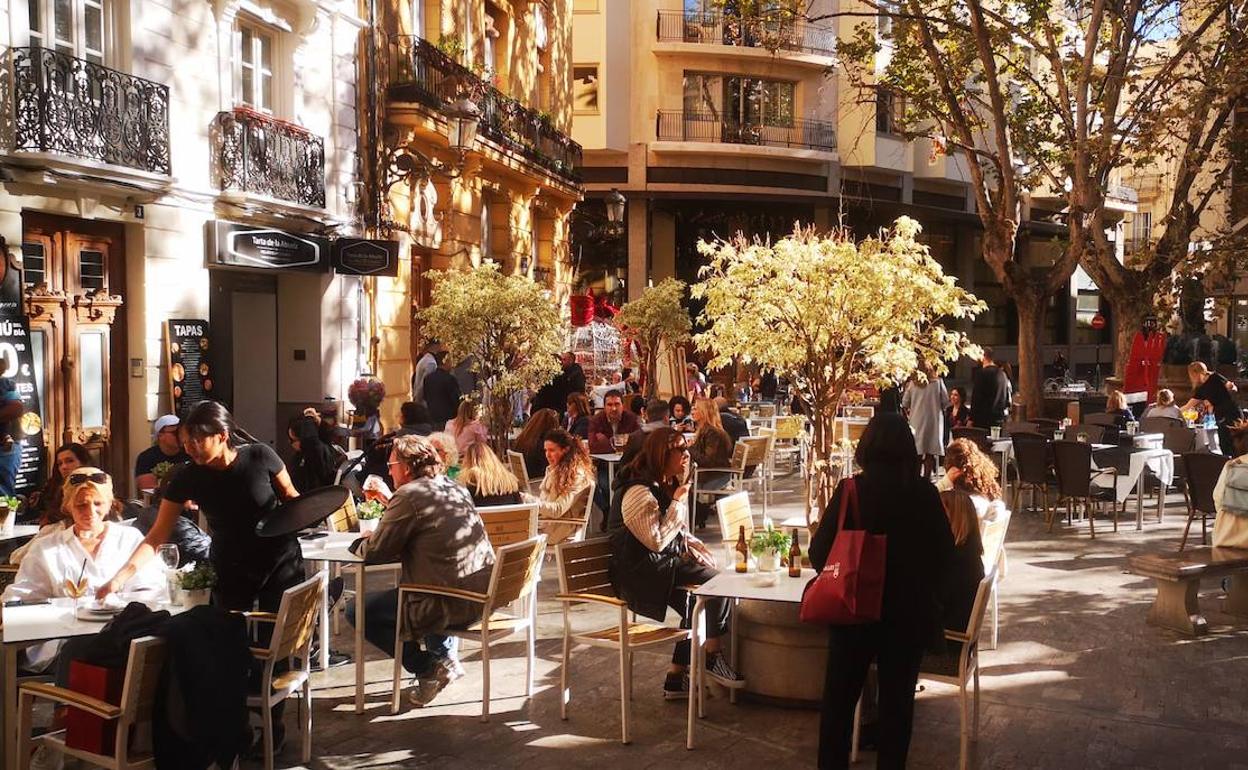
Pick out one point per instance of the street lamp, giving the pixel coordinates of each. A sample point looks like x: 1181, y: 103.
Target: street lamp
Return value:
x: 462, y: 121
x: 614, y: 204
x: 407, y: 163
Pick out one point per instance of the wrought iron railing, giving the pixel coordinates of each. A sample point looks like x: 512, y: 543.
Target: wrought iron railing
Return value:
x: 69, y: 106
x: 1122, y: 192
x: 776, y: 33
x: 255, y: 153
x: 421, y: 73
x: 707, y: 126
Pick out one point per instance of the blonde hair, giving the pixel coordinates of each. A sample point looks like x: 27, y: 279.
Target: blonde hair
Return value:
x: 1197, y: 367
x: 446, y: 447
x: 482, y: 469
x: 421, y: 456
x: 469, y: 412
x: 1165, y: 397
x: 1116, y: 402
x: 705, y: 412
x: 963, y: 521
x: 69, y: 492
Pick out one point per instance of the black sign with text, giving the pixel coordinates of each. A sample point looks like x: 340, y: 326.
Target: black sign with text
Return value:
x: 266, y: 248
x: 17, y: 365
x: 359, y: 256
x: 190, y: 368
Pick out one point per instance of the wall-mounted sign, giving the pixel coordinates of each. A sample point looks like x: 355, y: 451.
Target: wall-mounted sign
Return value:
x: 190, y: 371
x: 266, y: 248
x: 17, y: 364
x: 358, y: 256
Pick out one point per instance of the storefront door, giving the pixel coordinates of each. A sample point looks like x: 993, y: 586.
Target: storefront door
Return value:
x: 73, y: 272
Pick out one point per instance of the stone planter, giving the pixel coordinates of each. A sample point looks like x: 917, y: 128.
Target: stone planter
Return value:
x: 782, y: 659
x: 192, y: 598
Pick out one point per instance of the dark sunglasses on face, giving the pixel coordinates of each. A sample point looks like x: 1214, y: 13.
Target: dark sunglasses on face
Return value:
x: 81, y: 478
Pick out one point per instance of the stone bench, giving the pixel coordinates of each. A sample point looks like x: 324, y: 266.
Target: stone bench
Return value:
x: 1178, y: 577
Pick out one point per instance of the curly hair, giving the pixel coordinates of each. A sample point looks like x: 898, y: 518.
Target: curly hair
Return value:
x: 977, y: 472
x: 419, y: 454
x: 574, y: 463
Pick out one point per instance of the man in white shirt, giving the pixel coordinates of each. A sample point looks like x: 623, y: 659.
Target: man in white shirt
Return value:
x: 427, y: 363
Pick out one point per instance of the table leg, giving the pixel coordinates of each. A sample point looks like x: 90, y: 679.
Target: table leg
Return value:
x: 1161, y: 498
x: 732, y: 652
x: 1139, y: 502
x: 10, y: 704
x: 325, y: 616
x: 695, y: 673
x: 359, y: 638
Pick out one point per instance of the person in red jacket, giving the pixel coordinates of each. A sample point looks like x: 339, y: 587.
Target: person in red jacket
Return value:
x: 1144, y: 363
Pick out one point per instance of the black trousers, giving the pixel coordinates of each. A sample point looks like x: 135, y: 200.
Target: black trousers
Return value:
x: 690, y: 573
x: 851, y: 649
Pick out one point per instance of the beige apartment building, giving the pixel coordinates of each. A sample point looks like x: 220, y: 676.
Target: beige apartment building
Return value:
x: 711, y: 124
x: 506, y: 196
x: 169, y: 161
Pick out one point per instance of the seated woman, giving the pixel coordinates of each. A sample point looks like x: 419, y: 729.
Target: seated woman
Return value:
x: 565, y: 487
x: 1116, y: 405
x: 432, y: 527
x: 486, y: 478
x: 530, y: 441
x: 967, y: 567
x: 1165, y: 406
x: 314, y: 464
x: 466, y: 425
x: 969, y: 470
x: 577, y: 421
x: 90, y: 544
x: 680, y: 412
x: 653, y: 558
x: 711, y: 448
x: 957, y: 414
x: 44, y: 505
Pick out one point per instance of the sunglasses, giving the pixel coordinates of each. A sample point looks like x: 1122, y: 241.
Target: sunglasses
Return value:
x: 99, y: 477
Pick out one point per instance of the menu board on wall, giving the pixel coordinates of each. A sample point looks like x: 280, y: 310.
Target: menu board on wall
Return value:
x: 190, y: 367
x: 17, y: 364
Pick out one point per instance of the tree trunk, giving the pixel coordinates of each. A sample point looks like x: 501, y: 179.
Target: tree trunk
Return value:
x: 500, y: 417
x: 1031, y: 307
x: 1129, y: 308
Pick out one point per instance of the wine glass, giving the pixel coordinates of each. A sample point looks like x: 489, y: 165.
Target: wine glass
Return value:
x: 169, y: 555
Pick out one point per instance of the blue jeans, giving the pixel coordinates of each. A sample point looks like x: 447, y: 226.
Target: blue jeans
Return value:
x: 380, y: 620
x: 9, y: 462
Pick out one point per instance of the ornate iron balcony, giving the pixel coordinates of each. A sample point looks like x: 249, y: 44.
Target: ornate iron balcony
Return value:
x: 777, y: 32
x: 707, y: 126
x: 421, y: 73
x: 73, y: 107
x: 255, y: 153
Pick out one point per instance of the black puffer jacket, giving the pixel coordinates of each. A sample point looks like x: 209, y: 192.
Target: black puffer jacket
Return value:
x: 641, y: 577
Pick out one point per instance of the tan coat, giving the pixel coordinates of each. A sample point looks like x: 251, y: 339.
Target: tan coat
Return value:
x: 432, y: 527
x: 569, y: 505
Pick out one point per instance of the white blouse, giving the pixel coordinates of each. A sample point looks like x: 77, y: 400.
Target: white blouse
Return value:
x: 58, y: 556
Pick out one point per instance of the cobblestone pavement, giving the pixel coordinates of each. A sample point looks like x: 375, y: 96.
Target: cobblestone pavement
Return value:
x: 1079, y: 680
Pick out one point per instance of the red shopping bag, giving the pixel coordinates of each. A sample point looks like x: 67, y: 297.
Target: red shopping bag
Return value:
x: 850, y: 589
x: 88, y: 732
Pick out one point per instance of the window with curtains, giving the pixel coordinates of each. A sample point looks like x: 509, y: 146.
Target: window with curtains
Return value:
x: 740, y: 99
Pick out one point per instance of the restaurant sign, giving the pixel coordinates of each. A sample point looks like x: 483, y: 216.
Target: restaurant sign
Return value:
x: 266, y: 248
x: 359, y: 256
x: 17, y: 364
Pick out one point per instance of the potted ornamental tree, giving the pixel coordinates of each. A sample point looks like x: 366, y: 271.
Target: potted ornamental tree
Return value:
x: 655, y: 320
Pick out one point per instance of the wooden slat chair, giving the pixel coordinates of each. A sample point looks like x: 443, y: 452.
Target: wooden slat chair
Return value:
x: 767, y: 469
x: 750, y: 451
x: 138, y: 698
x: 583, y: 579
x: 520, y: 470
x: 547, y: 526
x: 791, y: 441
x: 734, y: 512
x: 993, y: 539
x: 508, y: 524
x: 960, y: 667
x: 293, y: 627
x: 517, y: 571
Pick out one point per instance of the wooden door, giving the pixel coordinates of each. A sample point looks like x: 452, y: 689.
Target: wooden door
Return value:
x: 74, y: 275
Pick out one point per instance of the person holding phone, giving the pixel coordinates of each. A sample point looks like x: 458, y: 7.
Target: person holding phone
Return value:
x: 653, y: 556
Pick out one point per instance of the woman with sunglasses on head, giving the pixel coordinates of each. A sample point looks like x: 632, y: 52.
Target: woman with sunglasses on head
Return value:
x: 236, y: 485
x: 653, y: 556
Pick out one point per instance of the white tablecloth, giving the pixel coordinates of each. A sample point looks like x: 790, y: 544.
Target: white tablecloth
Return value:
x: 1159, y: 461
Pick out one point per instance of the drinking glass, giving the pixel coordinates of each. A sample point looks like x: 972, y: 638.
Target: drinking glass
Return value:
x: 169, y: 555
x: 994, y: 432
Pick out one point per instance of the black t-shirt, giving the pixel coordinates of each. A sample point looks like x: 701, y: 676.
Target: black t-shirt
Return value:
x: 152, y: 456
x: 1214, y: 391
x: 234, y: 500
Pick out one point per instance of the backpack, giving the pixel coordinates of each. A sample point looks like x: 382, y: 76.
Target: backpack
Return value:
x: 1235, y: 491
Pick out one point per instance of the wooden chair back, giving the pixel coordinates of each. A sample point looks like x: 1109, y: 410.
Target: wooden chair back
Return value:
x: 515, y: 461
x: 790, y: 428
x: 982, y: 594
x: 509, y: 524
x: 993, y: 538
x: 517, y: 570
x: 756, y: 449
x: 766, y: 410
x: 734, y: 512
x: 296, y: 618
x: 583, y: 567
x: 344, y: 519
x: 143, y: 669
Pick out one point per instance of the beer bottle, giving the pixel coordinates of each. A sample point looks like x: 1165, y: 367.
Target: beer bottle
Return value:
x: 743, y: 551
x: 795, y: 557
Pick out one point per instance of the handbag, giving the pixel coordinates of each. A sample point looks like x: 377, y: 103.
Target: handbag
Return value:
x: 850, y: 588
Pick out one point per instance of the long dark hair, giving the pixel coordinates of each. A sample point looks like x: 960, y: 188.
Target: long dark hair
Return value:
x: 651, y: 462
x: 319, y: 459
x: 887, y: 448
x: 209, y: 418
x: 575, y: 460
x: 540, y: 423
x: 77, y: 450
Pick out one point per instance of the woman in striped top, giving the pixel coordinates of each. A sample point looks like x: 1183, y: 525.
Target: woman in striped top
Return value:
x: 653, y: 557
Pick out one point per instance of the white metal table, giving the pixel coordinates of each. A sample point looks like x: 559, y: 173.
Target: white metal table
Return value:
x: 334, y: 548
x: 1160, y: 461
x: 734, y: 586
x: 18, y: 531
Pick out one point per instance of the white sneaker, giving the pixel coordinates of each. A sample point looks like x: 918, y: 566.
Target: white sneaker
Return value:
x: 46, y: 758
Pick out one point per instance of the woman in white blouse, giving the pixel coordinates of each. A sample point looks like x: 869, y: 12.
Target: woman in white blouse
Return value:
x: 654, y: 558
x: 565, y: 487
x: 89, y: 546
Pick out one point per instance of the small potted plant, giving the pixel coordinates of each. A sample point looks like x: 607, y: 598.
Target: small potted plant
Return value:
x: 369, y: 513
x: 193, y: 584
x: 769, y: 546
